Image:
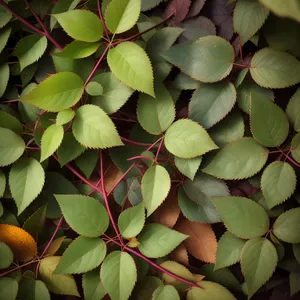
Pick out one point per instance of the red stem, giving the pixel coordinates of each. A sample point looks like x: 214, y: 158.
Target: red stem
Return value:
x: 159, y: 148
x: 18, y: 268
x: 135, y: 143
x: 141, y: 157
x: 102, y: 20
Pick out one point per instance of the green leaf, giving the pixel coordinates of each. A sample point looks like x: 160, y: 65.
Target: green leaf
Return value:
x: 274, y: 69
x: 228, y: 130
x: 30, y: 49
x: 198, y: 59
x: 6, y: 256
x: 148, y: 4
x: 187, y: 139
x: 121, y: 15
x: 188, y: 167
x: 293, y: 110
x: 184, y: 82
x: 278, y: 183
x: 61, y: 284
x: 131, y: 221
x: 65, y: 116
x: 248, y: 18
x: 33, y: 289
x: 94, y: 88
x: 290, y: 9
x: 131, y: 65
x: 295, y: 147
x: 10, y: 122
x: 211, y: 103
x: 242, y: 216
x: 229, y: 250
x: 156, y: 115
x: 156, y: 184
x: 118, y: 274
x: 157, y: 240
x: 285, y: 226
x: 294, y: 279
x: 4, y: 75
x: 5, y: 16
x: 11, y: 147
x: 78, y: 49
x: 238, y: 160
x: 86, y: 215
x: 92, y: 286
x: 35, y: 223
x: 258, y: 262
x: 166, y: 292
x: 87, y: 162
x: 2, y: 183
x: 91, y: 133
x: 26, y: 180
x: 4, y: 36
x: 89, y: 29
x: 269, y: 124
x: 114, y: 95
x: 8, y: 286
x: 69, y: 149
x: 83, y: 254
x: 57, y: 92
x: 51, y: 140
x: 208, y: 291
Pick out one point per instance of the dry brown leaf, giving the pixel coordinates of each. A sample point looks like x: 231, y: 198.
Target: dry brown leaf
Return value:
x: 202, y: 242
x: 180, y: 255
x: 167, y: 214
x: 19, y: 241
x: 55, y: 245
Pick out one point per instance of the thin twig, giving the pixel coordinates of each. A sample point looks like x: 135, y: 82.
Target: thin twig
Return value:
x: 18, y: 268
x: 102, y: 20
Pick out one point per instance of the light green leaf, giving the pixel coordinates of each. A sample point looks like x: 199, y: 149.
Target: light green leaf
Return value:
x: 208, y: 291
x: 69, y: 149
x: 269, y: 124
x: 131, y: 65
x: 211, y: 103
x: 57, y: 92
x: 198, y: 59
x: 286, y: 226
x: 30, y: 49
x: 275, y: 69
x: 248, y: 18
x: 295, y: 147
x: 10, y: 122
x: 291, y: 9
x: 293, y: 110
x: 243, y: 217
x: 238, y: 160
x: 51, y: 140
x: 187, y: 139
x: 5, y: 16
x: 2, y: 183
x: 131, y: 221
x: 33, y: 289
x: 4, y: 75
x: 188, y: 167
x: 258, y: 262
x: 83, y: 254
x: 114, y: 95
x: 89, y: 29
x: 166, y: 292
x: 228, y: 251
x: 86, y: 215
x: 78, y: 49
x: 278, y: 183
x: 94, y: 88
x: 228, y: 130
x: 11, y: 147
x: 91, y: 133
x: 8, y: 287
x: 294, y: 279
x: 61, y: 284
x: 6, y: 256
x: 118, y: 274
x: 92, y: 286
x: 157, y: 240
x: 156, y: 115
x: 26, y: 180
x: 156, y: 184
x: 35, y: 223
x: 4, y: 36
x: 65, y: 116
x: 121, y: 15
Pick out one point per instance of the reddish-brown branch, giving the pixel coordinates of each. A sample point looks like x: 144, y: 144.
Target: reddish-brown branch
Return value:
x: 18, y: 268
x: 102, y: 20
x: 135, y: 143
